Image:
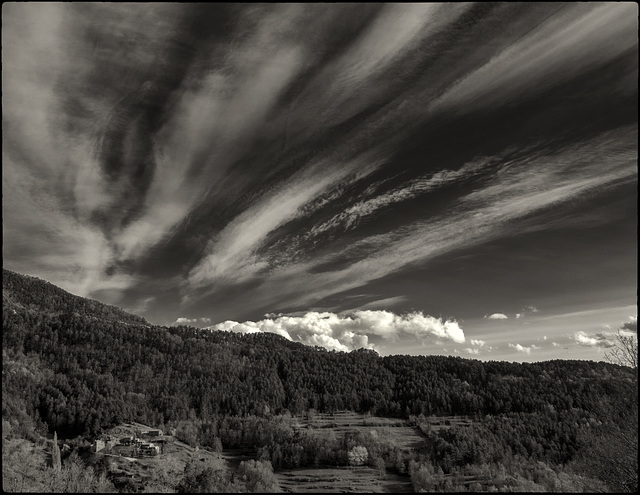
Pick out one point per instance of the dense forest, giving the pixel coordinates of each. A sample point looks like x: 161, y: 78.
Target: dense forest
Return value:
x: 77, y: 367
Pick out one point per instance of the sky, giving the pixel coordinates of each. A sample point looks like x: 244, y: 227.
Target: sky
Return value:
x: 423, y: 178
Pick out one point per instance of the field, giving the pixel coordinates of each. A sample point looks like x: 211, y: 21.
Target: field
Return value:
x: 357, y: 479
x: 342, y: 480
x: 439, y: 422
x: 402, y: 433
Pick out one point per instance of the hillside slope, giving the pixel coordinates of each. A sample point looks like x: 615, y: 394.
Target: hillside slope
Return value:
x: 32, y: 293
x: 79, y: 367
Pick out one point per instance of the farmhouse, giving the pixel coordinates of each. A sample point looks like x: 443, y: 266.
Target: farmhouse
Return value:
x: 149, y: 449
x: 128, y: 440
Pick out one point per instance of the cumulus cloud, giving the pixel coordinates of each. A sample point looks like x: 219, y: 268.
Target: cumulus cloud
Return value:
x: 602, y: 340
x: 479, y: 343
x: 186, y: 321
x: 352, y: 331
x: 631, y: 325
x: 606, y: 339
x: 497, y: 316
x: 524, y: 349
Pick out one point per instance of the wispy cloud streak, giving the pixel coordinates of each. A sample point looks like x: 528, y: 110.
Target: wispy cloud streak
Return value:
x: 286, y: 153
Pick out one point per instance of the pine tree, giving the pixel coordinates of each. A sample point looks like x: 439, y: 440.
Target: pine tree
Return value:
x: 55, y: 453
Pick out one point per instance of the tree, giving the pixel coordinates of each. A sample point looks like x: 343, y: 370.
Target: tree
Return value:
x: 380, y: 466
x: 203, y: 479
x: 258, y: 476
x: 358, y: 455
x: 624, y: 351
x: 55, y: 453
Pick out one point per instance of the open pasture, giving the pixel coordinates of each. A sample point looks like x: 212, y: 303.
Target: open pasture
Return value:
x: 398, y: 431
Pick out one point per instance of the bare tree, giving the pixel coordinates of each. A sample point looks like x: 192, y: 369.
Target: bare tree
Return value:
x: 610, y: 452
x: 624, y: 351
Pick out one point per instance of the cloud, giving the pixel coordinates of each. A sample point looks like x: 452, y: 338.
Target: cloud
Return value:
x: 590, y: 313
x: 602, y: 340
x: 492, y: 216
x: 497, y: 316
x: 524, y: 349
x: 268, y: 145
x: 606, y: 339
x: 348, y: 332
x: 186, y: 321
x: 232, y: 252
x: 631, y: 325
x: 479, y: 343
x: 565, y: 43
x: 384, y: 303
x: 350, y: 217
x: 527, y: 310
x: 479, y: 216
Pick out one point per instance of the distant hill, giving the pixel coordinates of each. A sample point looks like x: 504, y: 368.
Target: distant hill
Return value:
x: 32, y: 293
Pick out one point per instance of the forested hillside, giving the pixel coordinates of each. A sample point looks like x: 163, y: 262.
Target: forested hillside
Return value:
x: 31, y: 293
x: 78, y: 367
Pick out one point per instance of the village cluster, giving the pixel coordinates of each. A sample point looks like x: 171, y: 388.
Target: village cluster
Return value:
x: 133, y: 440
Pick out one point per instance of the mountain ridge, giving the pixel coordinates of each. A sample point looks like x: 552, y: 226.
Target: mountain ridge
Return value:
x: 35, y: 293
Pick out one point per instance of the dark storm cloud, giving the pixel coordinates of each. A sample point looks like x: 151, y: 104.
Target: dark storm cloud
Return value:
x: 283, y: 154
